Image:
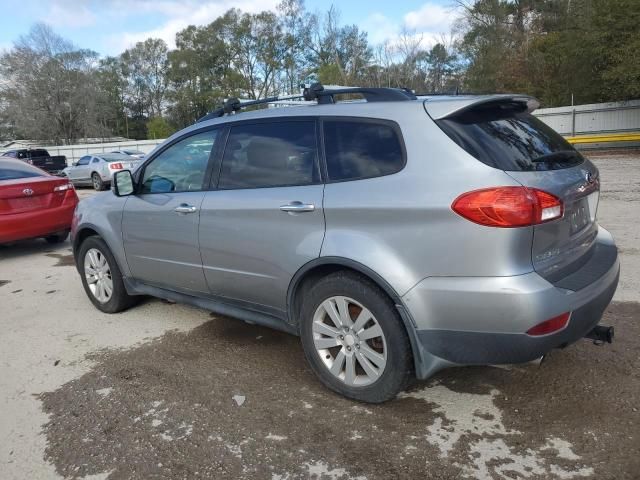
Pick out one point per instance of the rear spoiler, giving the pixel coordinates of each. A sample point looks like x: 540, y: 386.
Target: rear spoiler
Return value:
x: 445, y: 107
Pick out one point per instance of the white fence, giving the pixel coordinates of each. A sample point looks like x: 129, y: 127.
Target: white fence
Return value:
x: 615, y: 117
x: 74, y: 152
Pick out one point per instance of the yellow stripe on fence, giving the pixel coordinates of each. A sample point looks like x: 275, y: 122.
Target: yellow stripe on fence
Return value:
x: 605, y: 138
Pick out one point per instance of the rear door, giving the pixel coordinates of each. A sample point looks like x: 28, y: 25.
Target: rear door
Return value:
x: 160, y: 222
x: 265, y: 220
x: 505, y: 136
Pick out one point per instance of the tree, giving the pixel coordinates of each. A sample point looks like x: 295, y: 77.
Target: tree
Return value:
x: 157, y: 128
x: 49, y: 88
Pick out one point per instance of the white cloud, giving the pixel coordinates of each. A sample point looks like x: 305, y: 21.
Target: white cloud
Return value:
x: 428, y: 24
x: 69, y: 13
x: 180, y: 14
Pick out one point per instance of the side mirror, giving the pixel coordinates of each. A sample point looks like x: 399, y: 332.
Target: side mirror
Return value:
x: 122, y: 183
x: 74, y: 164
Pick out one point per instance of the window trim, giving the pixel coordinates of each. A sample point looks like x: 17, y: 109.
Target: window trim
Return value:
x: 215, y: 180
x: 375, y: 121
x: 214, y: 156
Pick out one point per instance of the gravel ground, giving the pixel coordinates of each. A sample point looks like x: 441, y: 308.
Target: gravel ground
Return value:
x: 170, y: 391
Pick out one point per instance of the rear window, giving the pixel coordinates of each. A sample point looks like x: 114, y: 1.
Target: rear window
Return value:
x: 16, y: 169
x: 508, y: 138
x: 356, y: 149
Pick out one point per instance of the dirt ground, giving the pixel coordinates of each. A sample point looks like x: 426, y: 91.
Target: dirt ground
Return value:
x: 170, y: 391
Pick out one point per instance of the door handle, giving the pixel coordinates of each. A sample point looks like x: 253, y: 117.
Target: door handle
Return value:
x: 185, y: 208
x: 298, y: 207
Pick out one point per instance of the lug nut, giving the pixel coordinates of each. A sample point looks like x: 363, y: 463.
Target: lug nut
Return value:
x: 341, y: 337
x: 348, y: 349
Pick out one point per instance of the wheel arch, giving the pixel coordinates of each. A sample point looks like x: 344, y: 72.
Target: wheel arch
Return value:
x: 322, y: 266
x: 90, y: 230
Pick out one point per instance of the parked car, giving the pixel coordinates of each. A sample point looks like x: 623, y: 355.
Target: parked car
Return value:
x: 131, y: 153
x: 97, y: 170
x: 396, y: 236
x: 34, y: 203
x: 39, y: 157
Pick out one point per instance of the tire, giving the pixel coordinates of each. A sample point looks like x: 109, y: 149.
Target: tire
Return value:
x: 118, y: 300
x: 97, y: 182
x: 57, y: 238
x: 356, y: 295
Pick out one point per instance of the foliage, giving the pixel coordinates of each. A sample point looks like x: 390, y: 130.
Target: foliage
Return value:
x: 557, y: 50
x: 158, y: 127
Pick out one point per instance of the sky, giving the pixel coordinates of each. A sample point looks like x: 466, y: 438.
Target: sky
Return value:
x: 111, y: 26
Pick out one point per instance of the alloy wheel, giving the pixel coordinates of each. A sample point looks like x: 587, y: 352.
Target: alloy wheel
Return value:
x: 98, y: 275
x: 349, y: 341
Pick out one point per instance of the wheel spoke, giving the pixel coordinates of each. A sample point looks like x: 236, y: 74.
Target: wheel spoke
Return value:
x: 338, y: 362
x: 330, y: 308
x: 350, y: 370
x: 363, y: 318
x: 324, y: 329
x: 372, y: 332
x: 322, y: 343
x: 343, y: 311
x: 367, y: 366
x: 108, y: 287
x: 372, y: 355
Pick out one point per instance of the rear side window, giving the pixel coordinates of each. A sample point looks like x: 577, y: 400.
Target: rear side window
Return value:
x: 356, y: 149
x: 274, y: 154
x: 13, y: 170
x: 507, y: 138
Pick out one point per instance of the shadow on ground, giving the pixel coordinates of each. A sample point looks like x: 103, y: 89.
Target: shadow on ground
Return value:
x: 229, y: 400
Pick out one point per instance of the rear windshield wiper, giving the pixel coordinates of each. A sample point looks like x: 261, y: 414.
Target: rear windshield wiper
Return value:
x: 556, y: 157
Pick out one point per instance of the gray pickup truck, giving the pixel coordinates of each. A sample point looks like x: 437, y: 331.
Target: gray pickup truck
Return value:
x: 39, y: 157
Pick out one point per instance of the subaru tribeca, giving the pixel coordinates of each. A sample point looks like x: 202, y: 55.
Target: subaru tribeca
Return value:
x: 396, y: 236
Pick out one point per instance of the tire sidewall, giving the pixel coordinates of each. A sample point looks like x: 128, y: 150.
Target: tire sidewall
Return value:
x: 119, y: 296
x: 398, y: 366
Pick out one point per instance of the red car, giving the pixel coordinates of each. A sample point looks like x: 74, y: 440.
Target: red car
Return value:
x: 33, y: 203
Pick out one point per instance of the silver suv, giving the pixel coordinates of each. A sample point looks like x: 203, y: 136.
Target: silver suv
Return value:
x: 396, y: 236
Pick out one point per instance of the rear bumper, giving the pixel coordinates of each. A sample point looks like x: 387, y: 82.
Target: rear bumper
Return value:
x: 40, y: 223
x: 480, y: 320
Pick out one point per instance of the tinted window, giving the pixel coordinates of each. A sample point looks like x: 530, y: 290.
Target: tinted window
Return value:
x: 508, y: 138
x: 38, y: 152
x: 11, y: 170
x: 84, y: 161
x: 361, y: 149
x: 181, y: 167
x: 95, y: 160
x: 11, y: 154
x: 271, y: 154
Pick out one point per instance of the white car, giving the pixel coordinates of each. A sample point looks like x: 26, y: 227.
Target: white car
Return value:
x: 98, y: 170
x: 131, y: 153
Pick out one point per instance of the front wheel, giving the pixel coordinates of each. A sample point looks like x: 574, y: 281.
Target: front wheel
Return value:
x: 101, y: 277
x: 354, y: 339
x: 97, y: 182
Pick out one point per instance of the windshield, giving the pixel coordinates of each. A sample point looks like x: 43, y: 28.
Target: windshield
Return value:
x: 505, y: 137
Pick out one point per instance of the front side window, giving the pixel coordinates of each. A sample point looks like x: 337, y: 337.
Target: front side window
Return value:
x: 274, y: 154
x: 181, y: 167
x: 84, y: 161
x: 356, y: 150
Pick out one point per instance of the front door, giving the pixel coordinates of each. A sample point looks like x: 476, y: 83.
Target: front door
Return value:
x: 80, y: 172
x: 265, y: 220
x: 160, y: 222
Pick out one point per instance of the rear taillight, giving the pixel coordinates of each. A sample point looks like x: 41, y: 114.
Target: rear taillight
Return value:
x: 508, y: 206
x: 550, y: 326
x: 115, y: 166
x: 63, y: 187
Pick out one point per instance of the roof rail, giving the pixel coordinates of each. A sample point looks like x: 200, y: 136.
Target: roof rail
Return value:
x: 316, y: 92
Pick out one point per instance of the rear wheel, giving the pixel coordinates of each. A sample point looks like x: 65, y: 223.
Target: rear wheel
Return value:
x: 101, y: 277
x: 57, y: 238
x: 97, y: 182
x: 354, y: 339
